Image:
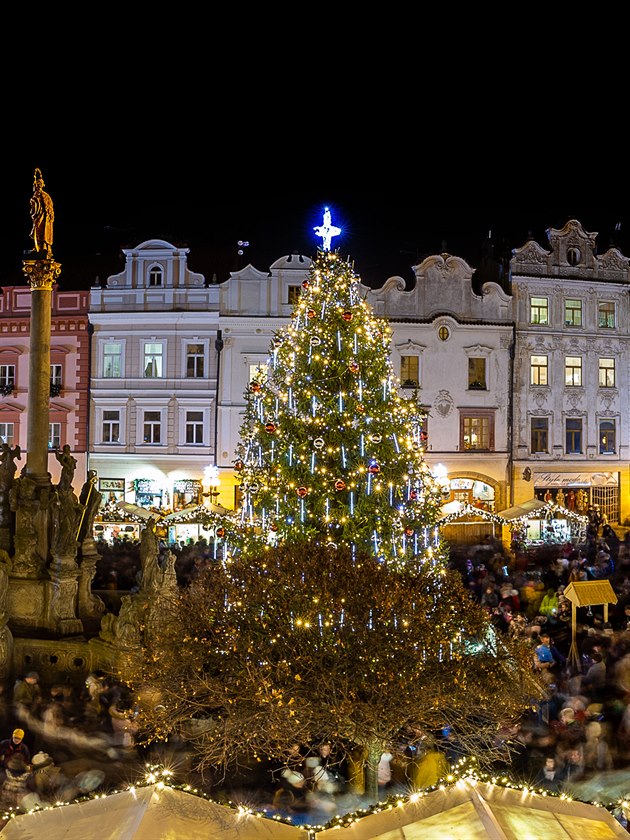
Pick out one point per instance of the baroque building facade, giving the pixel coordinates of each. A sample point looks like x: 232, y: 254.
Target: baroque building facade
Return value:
x: 571, y: 395
x: 69, y: 373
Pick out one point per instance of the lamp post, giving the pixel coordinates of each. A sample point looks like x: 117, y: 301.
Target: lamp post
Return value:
x: 212, y: 480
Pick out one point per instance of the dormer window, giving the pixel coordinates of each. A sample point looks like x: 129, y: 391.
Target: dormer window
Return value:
x: 156, y: 276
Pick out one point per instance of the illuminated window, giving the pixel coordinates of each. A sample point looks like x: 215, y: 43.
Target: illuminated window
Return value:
x: 477, y: 373
x: 540, y: 434
x: 7, y: 433
x: 444, y: 333
x: 573, y: 370
x: 112, y: 360
x: 573, y: 312
x: 607, y: 437
x: 606, y: 314
x: 259, y: 372
x: 574, y: 435
x: 539, y: 310
x: 293, y: 294
x: 538, y: 370
x: 195, y: 359
x: 194, y: 427
x: 111, y: 426
x: 606, y: 373
x: 54, y: 435
x: 55, y: 374
x: 152, y: 423
x: 7, y: 378
x: 153, y: 357
x: 477, y: 430
x: 409, y: 371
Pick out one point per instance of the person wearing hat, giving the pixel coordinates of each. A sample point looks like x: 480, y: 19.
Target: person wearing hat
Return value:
x: 47, y: 777
x: 14, y: 746
x: 27, y: 693
x: 17, y: 773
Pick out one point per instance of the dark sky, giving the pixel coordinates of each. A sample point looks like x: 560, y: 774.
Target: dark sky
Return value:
x: 109, y: 195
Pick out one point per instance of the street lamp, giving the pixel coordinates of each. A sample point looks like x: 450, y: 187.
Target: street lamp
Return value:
x: 440, y: 473
x: 212, y: 480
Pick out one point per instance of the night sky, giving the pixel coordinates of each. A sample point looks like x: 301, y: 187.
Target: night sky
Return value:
x: 107, y: 197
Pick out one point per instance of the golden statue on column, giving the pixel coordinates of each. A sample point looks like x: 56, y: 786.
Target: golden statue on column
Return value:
x: 43, y: 216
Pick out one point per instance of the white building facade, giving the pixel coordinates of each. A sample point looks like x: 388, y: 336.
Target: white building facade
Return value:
x: 571, y: 389
x: 153, y: 382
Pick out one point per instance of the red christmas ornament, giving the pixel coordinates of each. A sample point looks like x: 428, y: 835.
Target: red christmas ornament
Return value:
x: 347, y: 316
x: 220, y: 532
x: 305, y: 284
x: 409, y: 532
x: 270, y: 428
x: 273, y: 527
x: 302, y: 491
x: 413, y: 495
x: 340, y: 484
x: 255, y: 387
x: 353, y: 367
x: 360, y: 407
x: 374, y: 468
x: 310, y: 313
x: 238, y: 465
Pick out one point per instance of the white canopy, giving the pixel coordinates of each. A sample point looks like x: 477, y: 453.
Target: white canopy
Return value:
x: 468, y: 810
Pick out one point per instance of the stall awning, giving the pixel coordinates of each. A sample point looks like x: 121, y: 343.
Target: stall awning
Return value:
x: 529, y: 508
x: 135, y: 510
x: 590, y: 593
x: 192, y: 513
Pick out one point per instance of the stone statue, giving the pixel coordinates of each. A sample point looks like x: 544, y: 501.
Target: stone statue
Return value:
x: 149, y: 556
x: 128, y: 631
x: 90, y: 499
x: 8, y: 465
x: 65, y: 513
x: 43, y: 216
x: 68, y: 466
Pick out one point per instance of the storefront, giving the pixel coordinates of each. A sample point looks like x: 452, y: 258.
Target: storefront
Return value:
x: 578, y: 491
x: 150, y: 493
x: 187, y: 491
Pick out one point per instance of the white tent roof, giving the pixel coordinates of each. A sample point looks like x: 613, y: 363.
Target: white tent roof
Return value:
x: 468, y: 810
x: 147, y: 813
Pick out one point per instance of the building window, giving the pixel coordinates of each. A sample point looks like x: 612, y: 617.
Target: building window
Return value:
x: 573, y: 256
x: 54, y: 435
x: 540, y: 434
x: 7, y: 433
x: 194, y: 427
x: 152, y: 360
x: 477, y: 431
x: 573, y: 370
x: 111, y: 426
x: 477, y: 374
x: 538, y: 370
x: 152, y: 427
x: 607, y: 437
x: 573, y: 312
x: 444, y: 333
x: 293, y: 294
x: 195, y: 359
x: 539, y: 310
x: 156, y: 275
x: 55, y: 375
x: 574, y: 436
x: 112, y: 360
x: 606, y: 314
x: 606, y: 373
x: 258, y: 372
x: 409, y: 371
x: 7, y: 379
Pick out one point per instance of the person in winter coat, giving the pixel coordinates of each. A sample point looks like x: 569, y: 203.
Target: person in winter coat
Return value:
x: 14, y: 787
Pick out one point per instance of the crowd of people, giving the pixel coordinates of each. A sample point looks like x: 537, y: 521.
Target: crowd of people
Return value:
x: 62, y: 741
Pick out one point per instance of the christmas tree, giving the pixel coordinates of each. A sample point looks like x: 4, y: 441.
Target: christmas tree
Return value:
x: 330, y: 451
